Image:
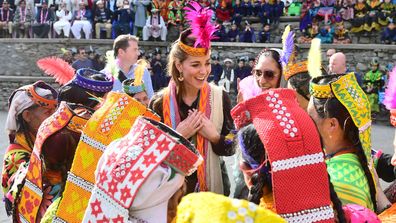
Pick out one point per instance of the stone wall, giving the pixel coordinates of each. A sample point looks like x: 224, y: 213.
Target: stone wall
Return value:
x: 18, y: 57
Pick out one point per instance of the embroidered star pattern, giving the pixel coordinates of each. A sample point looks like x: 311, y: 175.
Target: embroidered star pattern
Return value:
x: 96, y: 208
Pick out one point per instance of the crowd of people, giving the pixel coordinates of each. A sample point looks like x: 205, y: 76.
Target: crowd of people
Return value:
x: 163, y: 20
x: 106, y: 147
x: 325, y: 20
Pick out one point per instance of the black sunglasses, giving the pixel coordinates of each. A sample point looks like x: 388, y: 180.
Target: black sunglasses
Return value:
x: 267, y: 74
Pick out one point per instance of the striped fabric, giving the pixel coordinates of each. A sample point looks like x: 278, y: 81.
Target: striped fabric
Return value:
x: 349, y: 180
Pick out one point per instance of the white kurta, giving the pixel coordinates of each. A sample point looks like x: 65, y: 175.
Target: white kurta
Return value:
x: 63, y: 23
x: 152, y: 28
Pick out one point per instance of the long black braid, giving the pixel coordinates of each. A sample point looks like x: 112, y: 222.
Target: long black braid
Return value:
x: 332, y: 108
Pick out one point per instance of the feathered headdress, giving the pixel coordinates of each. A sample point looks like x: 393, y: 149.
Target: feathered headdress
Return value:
x: 200, y: 21
x: 288, y: 46
x: 111, y: 64
x: 57, y: 68
x: 134, y: 86
x: 139, y: 71
x: 315, y: 59
x: 390, y: 92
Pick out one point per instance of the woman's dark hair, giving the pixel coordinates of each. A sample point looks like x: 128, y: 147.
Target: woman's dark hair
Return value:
x: 253, y: 148
x: 332, y: 108
x: 337, y: 205
x: 73, y: 93
x: 300, y: 82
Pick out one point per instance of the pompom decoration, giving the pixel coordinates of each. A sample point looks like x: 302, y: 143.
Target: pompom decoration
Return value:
x: 111, y: 65
x: 390, y: 92
x: 139, y: 71
x: 288, y: 46
x: 57, y: 68
x: 199, y: 19
x: 249, y: 88
x: 315, y: 59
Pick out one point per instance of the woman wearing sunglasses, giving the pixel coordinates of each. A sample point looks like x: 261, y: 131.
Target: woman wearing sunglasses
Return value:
x: 266, y: 74
x: 199, y: 111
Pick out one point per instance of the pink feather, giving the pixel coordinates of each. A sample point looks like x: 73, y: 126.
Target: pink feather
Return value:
x: 249, y: 88
x: 390, y: 92
x: 200, y: 22
x: 57, y: 68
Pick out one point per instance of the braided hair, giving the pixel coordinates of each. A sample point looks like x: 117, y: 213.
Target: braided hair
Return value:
x: 253, y: 152
x: 332, y: 108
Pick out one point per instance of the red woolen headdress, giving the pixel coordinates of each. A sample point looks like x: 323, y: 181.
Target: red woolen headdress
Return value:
x: 300, y: 181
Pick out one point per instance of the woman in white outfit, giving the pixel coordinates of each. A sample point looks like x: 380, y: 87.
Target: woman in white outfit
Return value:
x: 63, y: 23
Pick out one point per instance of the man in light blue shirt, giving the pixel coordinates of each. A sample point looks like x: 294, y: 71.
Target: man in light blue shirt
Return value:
x: 126, y: 52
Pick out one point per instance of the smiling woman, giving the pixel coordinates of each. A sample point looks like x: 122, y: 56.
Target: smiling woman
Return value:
x: 199, y: 111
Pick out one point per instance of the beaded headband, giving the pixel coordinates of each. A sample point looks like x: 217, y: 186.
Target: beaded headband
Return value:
x: 82, y: 79
x: 131, y: 89
x: 192, y: 51
x: 296, y: 68
x: 347, y: 90
x: 200, y: 20
x: 36, y: 98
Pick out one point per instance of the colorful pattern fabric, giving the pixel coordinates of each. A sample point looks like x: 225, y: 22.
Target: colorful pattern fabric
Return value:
x: 111, y: 121
x: 199, y: 207
x: 128, y: 163
x: 349, y: 180
x: 172, y: 118
x: 389, y: 215
x: 347, y: 90
x: 32, y: 192
x: 296, y: 155
x: 295, y: 68
x: 16, y: 154
x: 208, y: 105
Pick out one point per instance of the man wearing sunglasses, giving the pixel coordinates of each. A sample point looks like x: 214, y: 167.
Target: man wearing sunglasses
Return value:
x: 82, y: 60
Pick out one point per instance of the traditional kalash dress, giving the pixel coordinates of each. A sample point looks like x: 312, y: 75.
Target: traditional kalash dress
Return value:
x: 360, y: 11
x: 346, y: 173
x: 138, y: 174
x: 294, y: 159
x: 199, y: 207
x: 21, y: 144
x: 389, y: 215
x: 294, y: 153
x: 111, y: 121
x: 215, y: 104
x: 44, y: 177
x: 387, y: 12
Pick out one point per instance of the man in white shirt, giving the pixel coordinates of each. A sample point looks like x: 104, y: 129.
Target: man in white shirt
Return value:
x: 126, y: 52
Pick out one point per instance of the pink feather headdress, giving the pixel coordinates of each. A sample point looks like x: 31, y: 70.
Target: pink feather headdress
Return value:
x: 201, y: 27
x: 58, y: 68
x: 390, y: 93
